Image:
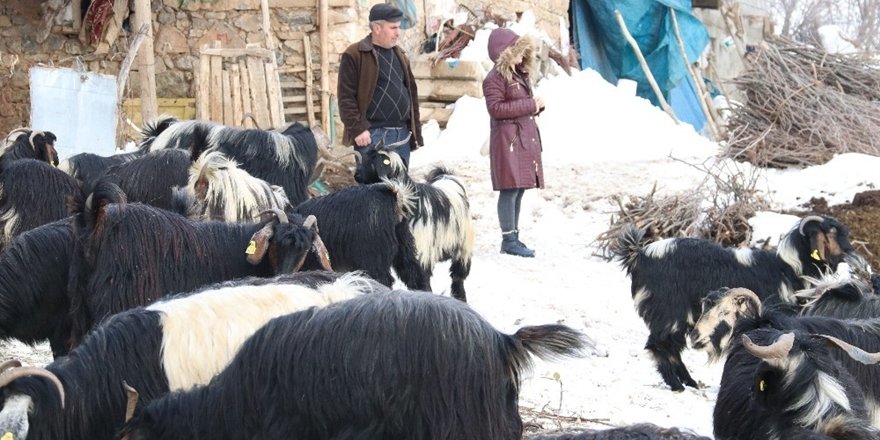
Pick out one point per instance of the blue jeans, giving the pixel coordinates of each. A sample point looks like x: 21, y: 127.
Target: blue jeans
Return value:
x: 389, y: 135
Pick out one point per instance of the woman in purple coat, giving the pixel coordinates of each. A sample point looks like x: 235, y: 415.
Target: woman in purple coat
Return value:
x: 514, y: 139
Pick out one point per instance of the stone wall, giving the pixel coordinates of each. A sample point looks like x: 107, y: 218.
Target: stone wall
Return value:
x: 181, y: 30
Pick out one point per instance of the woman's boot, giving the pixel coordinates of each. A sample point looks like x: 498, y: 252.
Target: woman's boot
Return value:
x: 510, y: 245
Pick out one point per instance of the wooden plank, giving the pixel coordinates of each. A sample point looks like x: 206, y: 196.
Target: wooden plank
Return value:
x: 299, y: 110
x: 267, y: 24
x: 324, y: 28
x: 247, y: 103
x: 147, y: 60
x: 310, y: 92
x: 76, y: 8
x: 228, y: 119
x: 216, y: 97
x: 238, y: 52
x: 235, y: 80
x: 257, y: 77
x: 296, y: 98
x: 203, y: 97
x: 273, y: 90
x: 293, y: 84
x: 308, y: 3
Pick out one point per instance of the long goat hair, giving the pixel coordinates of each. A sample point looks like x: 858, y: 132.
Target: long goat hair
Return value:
x: 223, y: 191
x: 441, y: 226
x: 366, y: 368
x: 285, y: 158
x: 170, y: 345
x: 152, y: 178
x: 130, y: 254
x: 24, y: 143
x: 671, y: 277
x: 641, y: 431
x: 33, y: 193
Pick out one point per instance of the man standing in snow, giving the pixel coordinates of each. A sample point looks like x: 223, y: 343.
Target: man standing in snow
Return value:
x: 378, y: 100
x: 514, y: 139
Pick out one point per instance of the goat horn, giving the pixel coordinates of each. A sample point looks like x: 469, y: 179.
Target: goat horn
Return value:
x: 310, y: 221
x: 131, y: 404
x: 751, y: 296
x: 854, y: 352
x: 397, y: 144
x: 16, y: 373
x: 31, y: 139
x: 279, y: 214
x: 808, y: 219
x: 776, y: 350
x: 12, y: 363
x: 252, y: 118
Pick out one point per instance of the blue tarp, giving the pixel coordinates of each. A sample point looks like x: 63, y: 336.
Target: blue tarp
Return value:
x: 602, y: 46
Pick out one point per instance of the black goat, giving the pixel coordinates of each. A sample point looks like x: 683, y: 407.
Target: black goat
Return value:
x: 128, y: 255
x: 670, y: 277
x: 285, y: 158
x: 642, y: 431
x: 840, y: 298
x: 441, y: 223
x: 365, y: 228
x: 384, y: 366
x: 32, y: 193
x: 24, y: 143
x: 732, y: 313
x: 152, y: 178
x: 170, y: 345
x: 788, y: 385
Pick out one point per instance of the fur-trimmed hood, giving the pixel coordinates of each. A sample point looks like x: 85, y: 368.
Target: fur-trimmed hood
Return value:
x: 505, y: 46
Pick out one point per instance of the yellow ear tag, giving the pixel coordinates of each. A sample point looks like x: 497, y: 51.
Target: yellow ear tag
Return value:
x: 762, y: 386
x: 7, y: 436
x: 815, y: 255
x: 251, y: 249
x: 386, y: 162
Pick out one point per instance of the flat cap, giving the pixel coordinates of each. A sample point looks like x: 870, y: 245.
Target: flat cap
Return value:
x: 385, y: 12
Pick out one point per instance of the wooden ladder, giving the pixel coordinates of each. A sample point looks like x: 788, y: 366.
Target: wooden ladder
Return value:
x: 300, y: 95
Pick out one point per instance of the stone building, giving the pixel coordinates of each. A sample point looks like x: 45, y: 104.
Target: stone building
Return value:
x: 28, y: 37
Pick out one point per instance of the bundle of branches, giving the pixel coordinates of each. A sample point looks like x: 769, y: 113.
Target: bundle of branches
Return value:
x: 718, y: 209
x: 803, y: 106
x: 454, y: 40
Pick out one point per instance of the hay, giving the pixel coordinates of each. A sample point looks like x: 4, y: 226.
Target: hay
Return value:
x: 803, y: 106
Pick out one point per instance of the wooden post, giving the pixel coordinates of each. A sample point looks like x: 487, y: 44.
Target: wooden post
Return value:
x: 310, y: 88
x: 143, y: 15
x: 710, y: 118
x: 235, y: 78
x: 324, y: 28
x: 264, y: 8
x: 203, y: 99
x: 246, y: 97
x: 635, y: 46
x: 125, y: 68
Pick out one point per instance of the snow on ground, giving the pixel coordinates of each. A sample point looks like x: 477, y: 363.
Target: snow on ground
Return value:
x: 598, y: 142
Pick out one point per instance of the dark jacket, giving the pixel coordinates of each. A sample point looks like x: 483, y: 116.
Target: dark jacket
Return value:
x: 358, y: 74
x: 514, y: 139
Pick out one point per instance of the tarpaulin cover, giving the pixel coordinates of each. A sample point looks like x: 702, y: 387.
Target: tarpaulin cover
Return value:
x: 79, y: 107
x: 650, y: 23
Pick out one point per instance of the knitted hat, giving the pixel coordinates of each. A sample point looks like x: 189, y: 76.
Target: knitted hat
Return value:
x: 500, y: 39
x: 385, y: 12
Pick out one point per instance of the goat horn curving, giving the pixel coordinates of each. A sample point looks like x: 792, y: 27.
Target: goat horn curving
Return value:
x: 323, y: 255
x: 776, y: 350
x: 397, y: 144
x: 808, y: 219
x: 854, y: 352
x: 131, y: 400
x: 33, y: 135
x: 12, y: 363
x: 310, y: 221
x: 16, y: 373
x: 748, y: 294
x: 279, y: 214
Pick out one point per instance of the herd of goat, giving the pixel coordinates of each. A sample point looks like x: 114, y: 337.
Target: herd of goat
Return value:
x: 193, y: 289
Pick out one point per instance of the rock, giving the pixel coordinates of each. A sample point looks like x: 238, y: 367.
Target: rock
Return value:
x: 222, y: 32
x: 249, y: 23
x: 169, y: 40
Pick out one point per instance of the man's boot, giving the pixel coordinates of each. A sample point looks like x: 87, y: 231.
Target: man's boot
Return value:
x: 510, y: 245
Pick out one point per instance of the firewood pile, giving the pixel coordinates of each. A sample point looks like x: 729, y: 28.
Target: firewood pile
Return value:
x: 718, y: 209
x: 804, y: 105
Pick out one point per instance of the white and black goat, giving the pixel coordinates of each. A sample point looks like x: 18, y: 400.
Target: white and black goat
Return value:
x: 32, y: 193
x: 730, y: 314
x: 285, y: 157
x: 365, y: 227
x: 130, y: 254
x: 219, y: 190
x: 390, y: 365
x: 670, y: 277
x: 24, y: 143
x: 170, y: 345
x: 783, y: 385
x: 441, y: 223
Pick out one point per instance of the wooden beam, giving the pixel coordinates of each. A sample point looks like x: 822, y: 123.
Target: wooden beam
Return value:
x: 237, y: 52
x: 323, y: 27
x: 698, y: 83
x: 246, y: 99
x: 76, y: 8
x: 228, y: 118
x: 267, y: 24
x: 310, y: 92
x: 216, y: 99
x: 273, y: 90
x: 125, y: 68
x: 147, y: 60
x: 257, y: 77
x: 308, y: 3
x: 203, y: 98
x: 235, y: 79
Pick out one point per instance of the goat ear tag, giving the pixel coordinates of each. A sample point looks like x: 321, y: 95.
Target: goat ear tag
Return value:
x: 815, y: 255
x: 251, y: 249
x: 762, y: 386
x: 386, y: 162
x: 7, y: 436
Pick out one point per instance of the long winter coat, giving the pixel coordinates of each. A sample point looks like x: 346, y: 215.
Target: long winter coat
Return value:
x: 514, y: 139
